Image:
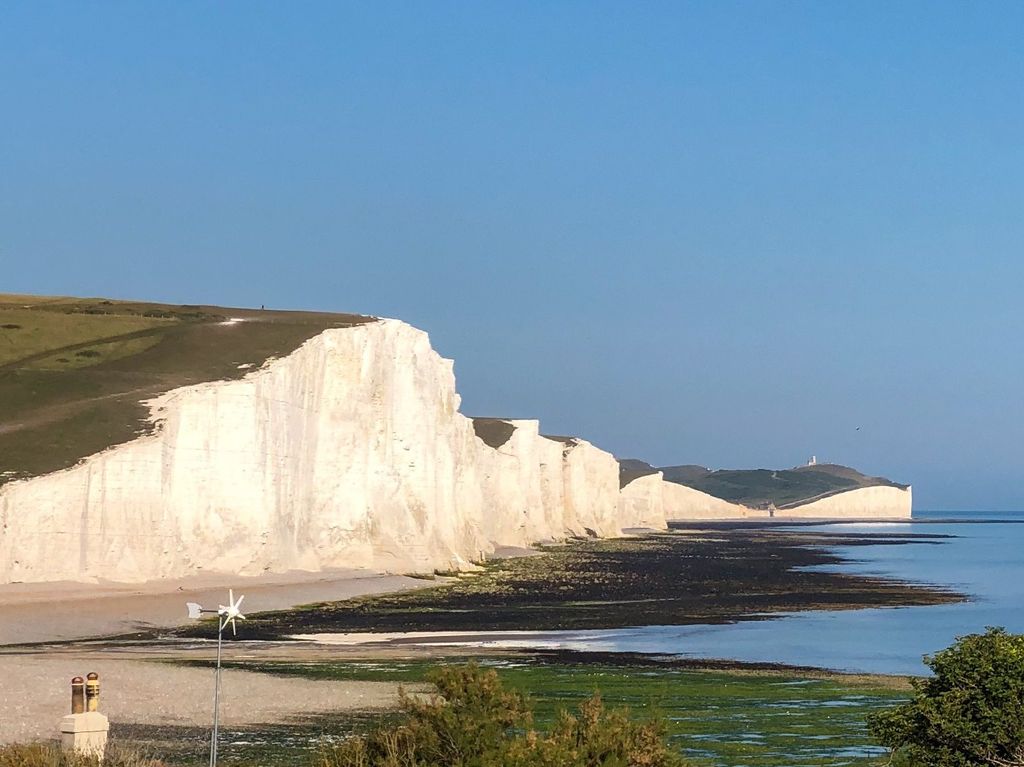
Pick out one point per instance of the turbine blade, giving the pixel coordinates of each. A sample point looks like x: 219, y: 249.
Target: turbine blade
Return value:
x: 239, y: 602
x: 234, y: 628
x: 240, y: 617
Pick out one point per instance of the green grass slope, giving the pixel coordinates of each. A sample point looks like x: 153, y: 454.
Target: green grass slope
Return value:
x: 73, y: 371
x: 632, y: 468
x: 494, y: 432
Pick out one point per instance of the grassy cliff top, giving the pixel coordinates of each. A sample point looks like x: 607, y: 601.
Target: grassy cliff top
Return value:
x: 757, y: 488
x: 632, y: 468
x: 494, y: 432
x: 73, y: 371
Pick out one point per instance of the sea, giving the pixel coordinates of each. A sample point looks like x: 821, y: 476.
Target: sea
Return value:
x: 982, y: 556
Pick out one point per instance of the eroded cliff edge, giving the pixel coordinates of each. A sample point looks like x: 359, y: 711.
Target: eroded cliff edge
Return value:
x: 349, y: 452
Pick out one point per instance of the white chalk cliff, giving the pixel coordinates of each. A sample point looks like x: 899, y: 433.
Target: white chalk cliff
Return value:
x: 349, y: 452
x: 877, y: 502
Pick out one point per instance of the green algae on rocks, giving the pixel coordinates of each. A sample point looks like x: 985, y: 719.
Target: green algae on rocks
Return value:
x: 671, y: 579
x: 720, y: 718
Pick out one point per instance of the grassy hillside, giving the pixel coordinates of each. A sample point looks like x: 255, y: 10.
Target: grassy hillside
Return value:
x: 631, y: 468
x: 757, y: 488
x: 73, y: 371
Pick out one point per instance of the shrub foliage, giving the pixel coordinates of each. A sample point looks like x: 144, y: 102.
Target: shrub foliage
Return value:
x: 970, y: 713
x: 473, y: 721
x: 52, y: 755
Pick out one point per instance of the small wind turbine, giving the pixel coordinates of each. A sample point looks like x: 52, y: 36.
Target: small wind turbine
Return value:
x: 228, y: 613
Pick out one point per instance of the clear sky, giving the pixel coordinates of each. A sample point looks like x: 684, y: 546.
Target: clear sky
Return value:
x: 717, y: 233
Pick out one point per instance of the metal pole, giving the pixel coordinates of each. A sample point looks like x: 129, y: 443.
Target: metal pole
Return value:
x: 216, y: 697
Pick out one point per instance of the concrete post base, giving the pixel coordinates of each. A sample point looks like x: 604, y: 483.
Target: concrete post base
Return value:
x: 85, y: 733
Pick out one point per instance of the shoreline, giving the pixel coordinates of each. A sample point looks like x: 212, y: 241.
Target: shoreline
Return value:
x: 702, y: 576
x: 41, y: 613
x: 160, y: 655
x: 65, y: 611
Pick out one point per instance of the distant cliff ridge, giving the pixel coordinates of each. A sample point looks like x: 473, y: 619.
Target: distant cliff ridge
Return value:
x: 323, y: 441
x: 802, y: 491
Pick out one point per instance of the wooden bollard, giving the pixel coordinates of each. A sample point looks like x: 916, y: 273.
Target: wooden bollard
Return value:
x: 84, y: 730
x: 92, y: 691
x: 78, y: 695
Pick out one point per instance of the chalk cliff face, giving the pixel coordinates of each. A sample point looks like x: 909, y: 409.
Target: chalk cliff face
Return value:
x: 538, y: 488
x: 349, y: 452
x: 642, y: 502
x: 591, y: 481
x: 880, y: 502
x: 683, y: 502
x: 648, y: 501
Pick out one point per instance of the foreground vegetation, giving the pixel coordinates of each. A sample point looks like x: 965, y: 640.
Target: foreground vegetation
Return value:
x: 473, y: 721
x: 51, y: 755
x: 969, y: 713
x: 755, y: 718
x: 710, y: 718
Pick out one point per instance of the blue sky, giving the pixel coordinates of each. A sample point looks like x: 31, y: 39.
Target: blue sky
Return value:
x: 717, y: 233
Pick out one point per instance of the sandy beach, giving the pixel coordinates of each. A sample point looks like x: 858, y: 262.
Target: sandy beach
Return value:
x: 138, y: 687
x: 52, y: 612
x: 35, y: 694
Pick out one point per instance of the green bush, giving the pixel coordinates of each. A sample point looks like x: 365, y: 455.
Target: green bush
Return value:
x: 52, y: 755
x: 970, y: 713
x: 473, y: 721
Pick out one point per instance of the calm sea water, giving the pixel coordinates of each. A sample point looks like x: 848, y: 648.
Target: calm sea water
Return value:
x: 984, y: 559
